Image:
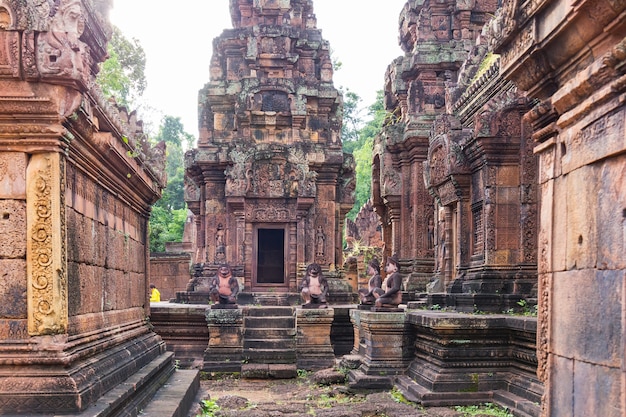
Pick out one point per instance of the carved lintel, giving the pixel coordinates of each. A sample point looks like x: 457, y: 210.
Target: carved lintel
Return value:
x: 45, y: 258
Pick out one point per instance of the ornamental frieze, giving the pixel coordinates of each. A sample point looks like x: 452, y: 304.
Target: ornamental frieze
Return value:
x: 47, y: 280
x: 273, y: 213
x: 192, y: 191
x: 522, y: 42
x: 438, y: 165
x: 391, y: 183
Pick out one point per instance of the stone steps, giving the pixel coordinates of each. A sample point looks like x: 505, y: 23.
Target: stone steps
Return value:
x: 419, y: 394
x: 263, y: 333
x: 270, y: 311
x: 156, y: 388
x: 269, y: 342
x: 281, y: 322
x: 265, y: 371
x: 519, y: 406
x: 176, y: 397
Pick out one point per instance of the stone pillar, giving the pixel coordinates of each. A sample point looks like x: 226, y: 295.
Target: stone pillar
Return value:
x: 388, y: 349
x: 46, y: 266
x: 313, y: 348
x: 579, y: 125
x: 225, y: 350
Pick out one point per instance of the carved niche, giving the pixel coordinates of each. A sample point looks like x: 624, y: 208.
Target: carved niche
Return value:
x: 446, y: 160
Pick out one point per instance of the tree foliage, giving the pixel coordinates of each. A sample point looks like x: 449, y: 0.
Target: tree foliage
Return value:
x: 122, y: 75
x: 351, y: 120
x: 362, y: 150
x: 169, y: 214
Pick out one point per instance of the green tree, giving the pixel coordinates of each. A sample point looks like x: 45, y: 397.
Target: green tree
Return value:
x: 351, y: 120
x: 122, y: 75
x: 362, y: 151
x: 169, y: 214
x: 166, y: 226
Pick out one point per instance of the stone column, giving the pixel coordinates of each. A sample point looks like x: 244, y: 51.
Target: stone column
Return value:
x: 225, y: 350
x: 313, y: 348
x: 388, y: 349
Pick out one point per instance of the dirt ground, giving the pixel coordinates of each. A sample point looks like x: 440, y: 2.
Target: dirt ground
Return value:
x: 302, y: 397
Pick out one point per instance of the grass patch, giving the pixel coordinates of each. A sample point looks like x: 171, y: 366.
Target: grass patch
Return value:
x: 486, y: 409
x: 208, y: 408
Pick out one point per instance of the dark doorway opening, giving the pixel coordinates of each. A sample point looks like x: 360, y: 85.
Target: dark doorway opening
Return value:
x: 271, y: 256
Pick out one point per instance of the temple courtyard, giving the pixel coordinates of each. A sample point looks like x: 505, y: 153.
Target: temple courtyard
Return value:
x: 305, y: 395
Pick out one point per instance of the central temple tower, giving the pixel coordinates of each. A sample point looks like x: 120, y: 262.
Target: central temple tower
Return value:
x: 269, y: 184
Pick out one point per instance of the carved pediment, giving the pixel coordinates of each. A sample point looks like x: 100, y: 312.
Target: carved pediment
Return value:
x: 445, y: 153
x: 270, y: 173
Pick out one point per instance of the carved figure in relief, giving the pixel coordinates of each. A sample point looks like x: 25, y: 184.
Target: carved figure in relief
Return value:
x: 314, y: 287
x: 320, y: 239
x: 224, y: 287
x: 60, y: 48
x: 392, y: 296
x: 368, y: 295
x: 294, y: 181
x: 220, y: 244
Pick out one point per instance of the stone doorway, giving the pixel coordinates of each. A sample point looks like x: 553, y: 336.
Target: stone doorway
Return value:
x: 270, y: 258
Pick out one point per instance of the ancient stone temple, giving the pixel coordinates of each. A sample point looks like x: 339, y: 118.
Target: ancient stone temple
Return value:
x: 453, y: 170
x: 569, y: 56
x: 269, y: 184
x: 77, y: 179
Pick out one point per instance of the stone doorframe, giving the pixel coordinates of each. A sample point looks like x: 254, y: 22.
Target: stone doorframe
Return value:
x: 274, y: 285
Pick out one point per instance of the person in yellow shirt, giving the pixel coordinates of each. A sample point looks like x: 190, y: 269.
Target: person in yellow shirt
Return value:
x: 155, y: 295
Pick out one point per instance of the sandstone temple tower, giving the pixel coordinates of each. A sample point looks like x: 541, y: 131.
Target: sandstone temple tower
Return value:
x: 454, y: 176
x: 269, y: 184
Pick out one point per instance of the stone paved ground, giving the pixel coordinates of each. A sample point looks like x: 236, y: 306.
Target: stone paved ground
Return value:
x: 303, y: 397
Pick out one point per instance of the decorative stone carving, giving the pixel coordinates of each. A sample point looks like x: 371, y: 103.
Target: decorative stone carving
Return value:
x: 60, y: 53
x: 47, y: 290
x: 77, y: 206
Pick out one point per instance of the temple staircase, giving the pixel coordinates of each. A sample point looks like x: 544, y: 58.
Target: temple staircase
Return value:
x: 269, y: 343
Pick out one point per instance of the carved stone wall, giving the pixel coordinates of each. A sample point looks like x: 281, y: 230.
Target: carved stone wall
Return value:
x: 578, y: 132
x: 74, y: 208
x: 269, y: 155
x: 437, y: 38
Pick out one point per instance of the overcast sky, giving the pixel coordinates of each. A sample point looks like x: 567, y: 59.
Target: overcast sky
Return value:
x: 177, y: 38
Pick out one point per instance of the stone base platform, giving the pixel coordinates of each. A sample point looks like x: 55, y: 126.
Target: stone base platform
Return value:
x: 254, y: 339
x: 183, y: 328
x: 383, y: 309
x: 359, y: 380
x: 384, y: 346
x: 269, y: 371
x: 224, y: 306
x: 156, y: 391
x: 469, y: 359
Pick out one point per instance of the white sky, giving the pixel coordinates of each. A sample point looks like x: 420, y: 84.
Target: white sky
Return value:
x: 177, y: 37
